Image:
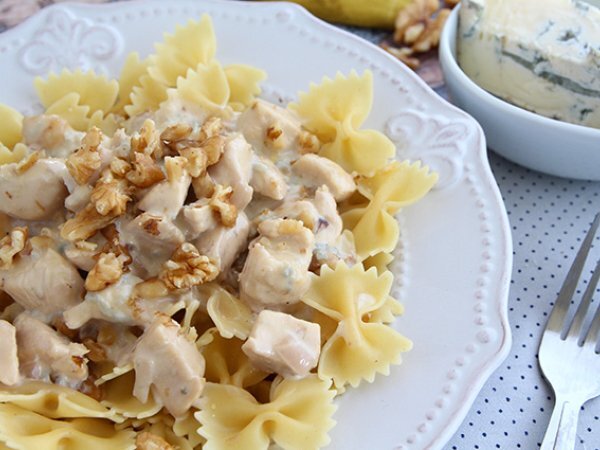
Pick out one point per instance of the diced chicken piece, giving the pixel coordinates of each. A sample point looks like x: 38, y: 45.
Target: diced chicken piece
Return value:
x: 35, y: 194
x: 44, y: 354
x: 120, y: 144
x: 319, y: 214
x: 176, y: 110
x: 111, y: 304
x: 43, y: 281
x: 281, y: 343
x: 268, y: 126
x: 235, y: 169
x: 198, y: 217
x: 167, y: 197
x: 169, y: 365
x: 275, y: 274
x: 151, y: 240
x: 224, y: 244
x: 343, y: 249
x: 78, y: 198
x: 267, y: 180
x: 317, y: 171
x: 9, y: 361
x: 51, y: 133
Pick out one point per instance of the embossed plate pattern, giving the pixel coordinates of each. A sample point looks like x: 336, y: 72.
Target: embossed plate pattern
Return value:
x: 454, y: 258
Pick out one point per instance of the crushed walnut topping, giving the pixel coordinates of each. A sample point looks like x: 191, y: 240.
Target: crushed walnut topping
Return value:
x: 213, y: 147
x: 174, y: 134
x: 175, y: 166
x: 197, y: 161
x: 220, y: 203
x: 110, y: 196
x: 308, y: 142
x: 148, y: 441
x: 86, y: 160
x: 96, y: 353
x: 107, y: 271
x: 85, y: 224
x: 187, y: 268
x: 203, y: 186
x: 147, y: 140
x: 274, y: 136
x: 11, y: 245
x: 119, y: 167
x: 145, y: 172
x: 213, y: 126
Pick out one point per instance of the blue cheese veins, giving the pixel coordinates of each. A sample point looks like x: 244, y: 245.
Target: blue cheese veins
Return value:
x: 541, y: 56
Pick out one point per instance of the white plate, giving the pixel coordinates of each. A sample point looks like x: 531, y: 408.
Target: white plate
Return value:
x: 534, y: 141
x: 454, y: 259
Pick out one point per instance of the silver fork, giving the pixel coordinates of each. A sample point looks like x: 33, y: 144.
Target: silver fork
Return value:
x: 567, y: 353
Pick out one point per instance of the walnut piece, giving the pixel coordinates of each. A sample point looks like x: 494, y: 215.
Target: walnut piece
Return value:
x: 107, y: 271
x: 203, y: 186
x: 11, y: 245
x: 110, y: 196
x: 308, y: 142
x: 120, y: 168
x: 146, y: 171
x: 149, y: 441
x: 197, y: 160
x: 85, y: 224
x: 418, y: 11
x: 210, y: 128
x: 147, y: 141
x: 187, y: 268
x: 175, y: 166
x: 213, y: 147
x: 96, y: 351
x: 29, y: 161
x: 404, y: 54
x: 274, y: 136
x: 430, y: 35
x: 174, y: 134
x: 83, y: 163
x: 220, y: 203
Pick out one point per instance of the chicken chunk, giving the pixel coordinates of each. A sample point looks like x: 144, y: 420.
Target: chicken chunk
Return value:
x: 78, y: 198
x: 167, y: 197
x: 9, y: 361
x: 198, y: 218
x: 235, y: 169
x: 169, y: 365
x: 317, y: 171
x: 151, y: 240
x: 224, y: 244
x: 51, y: 133
x: 276, y: 271
x: 34, y: 194
x: 46, y: 355
x: 43, y: 281
x: 281, y: 343
x: 111, y: 304
x: 267, y: 180
x: 268, y: 126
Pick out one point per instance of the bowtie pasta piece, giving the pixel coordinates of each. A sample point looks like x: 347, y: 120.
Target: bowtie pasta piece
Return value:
x: 206, y: 85
x: 133, y: 69
x: 55, y: 401
x: 357, y: 350
x: 397, y: 185
x: 334, y: 111
x: 12, y: 125
x: 76, y: 113
x: 226, y: 363
x: 231, y: 316
x: 244, y: 84
x: 298, y: 416
x: 21, y: 429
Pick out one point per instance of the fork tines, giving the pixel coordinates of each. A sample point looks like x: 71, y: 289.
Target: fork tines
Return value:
x: 577, y: 326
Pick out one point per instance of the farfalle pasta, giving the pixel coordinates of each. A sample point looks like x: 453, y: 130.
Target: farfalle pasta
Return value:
x: 186, y: 265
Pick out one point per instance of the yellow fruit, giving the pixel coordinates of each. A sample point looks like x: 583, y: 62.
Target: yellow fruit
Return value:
x: 364, y: 13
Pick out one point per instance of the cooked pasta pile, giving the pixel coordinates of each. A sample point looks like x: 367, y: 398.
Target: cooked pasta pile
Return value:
x: 185, y: 265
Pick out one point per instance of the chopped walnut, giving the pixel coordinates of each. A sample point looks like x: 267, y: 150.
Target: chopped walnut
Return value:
x: 86, y: 160
x: 85, y: 224
x: 119, y: 167
x: 11, y: 245
x: 274, y: 136
x: 430, y: 35
x: 107, y: 271
x: 110, y: 197
x: 308, y: 142
x: 416, y: 12
x: 187, y: 268
x: 149, y: 441
x: 147, y: 140
x: 60, y: 326
x: 213, y: 147
x: 146, y: 171
x: 196, y: 160
x: 175, y: 167
x: 210, y: 128
x: 404, y: 54
x: 220, y: 203
x: 203, y: 186
x: 29, y: 161
x: 96, y: 351
x: 174, y: 134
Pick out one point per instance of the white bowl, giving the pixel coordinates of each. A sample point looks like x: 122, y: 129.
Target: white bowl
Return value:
x: 534, y: 141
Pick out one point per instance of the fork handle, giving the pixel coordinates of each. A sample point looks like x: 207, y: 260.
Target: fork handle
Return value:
x: 562, y: 429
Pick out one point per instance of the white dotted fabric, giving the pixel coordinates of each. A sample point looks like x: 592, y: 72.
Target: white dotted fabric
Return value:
x: 549, y: 218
